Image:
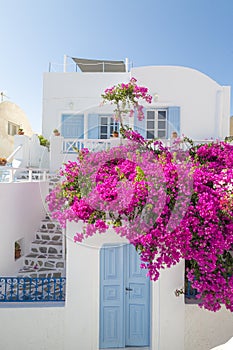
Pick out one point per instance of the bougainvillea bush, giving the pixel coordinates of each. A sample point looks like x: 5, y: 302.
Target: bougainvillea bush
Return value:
x: 171, y: 205
x: 126, y: 99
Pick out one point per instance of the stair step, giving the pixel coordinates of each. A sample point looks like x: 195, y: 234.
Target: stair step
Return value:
x: 46, y: 247
x: 49, y: 236
x: 41, y: 273
x: 44, y: 242
x: 36, y: 261
x: 50, y: 226
x: 45, y: 258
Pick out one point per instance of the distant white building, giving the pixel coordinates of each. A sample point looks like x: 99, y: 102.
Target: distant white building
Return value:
x: 12, y: 117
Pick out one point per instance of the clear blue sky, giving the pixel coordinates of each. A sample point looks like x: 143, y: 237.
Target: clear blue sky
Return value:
x: 192, y: 33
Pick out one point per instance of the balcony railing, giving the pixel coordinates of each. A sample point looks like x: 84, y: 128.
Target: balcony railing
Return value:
x: 10, y: 174
x: 71, y: 145
x: 25, y: 289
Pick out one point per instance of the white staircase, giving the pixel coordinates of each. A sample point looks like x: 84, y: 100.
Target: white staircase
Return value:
x: 45, y: 258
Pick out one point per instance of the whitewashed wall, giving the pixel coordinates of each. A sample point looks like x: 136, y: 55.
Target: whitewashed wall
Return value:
x: 75, y: 326
x: 205, y: 329
x: 31, y: 153
x: 73, y: 92
x: 205, y: 105
x: 21, y: 209
x: 167, y: 319
x: 27, y: 328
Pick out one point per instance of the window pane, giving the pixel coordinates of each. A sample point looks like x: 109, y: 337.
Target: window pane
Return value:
x: 103, y: 129
x: 150, y: 115
x: 12, y: 129
x: 161, y: 124
x: 161, y: 133
x: 161, y: 115
x: 103, y: 136
x: 149, y: 135
x: 150, y: 124
x: 104, y: 121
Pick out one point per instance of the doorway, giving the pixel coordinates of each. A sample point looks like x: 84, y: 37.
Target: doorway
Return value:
x: 124, y: 299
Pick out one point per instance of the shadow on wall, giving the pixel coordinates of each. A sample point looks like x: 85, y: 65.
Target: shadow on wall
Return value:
x: 231, y: 126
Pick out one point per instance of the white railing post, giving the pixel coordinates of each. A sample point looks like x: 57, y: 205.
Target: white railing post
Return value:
x: 64, y: 63
x: 11, y: 177
x: 30, y: 175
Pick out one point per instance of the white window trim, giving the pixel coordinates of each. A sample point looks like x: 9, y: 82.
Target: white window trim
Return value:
x: 10, y: 126
x: 109, y: 131
x: 155, y: 130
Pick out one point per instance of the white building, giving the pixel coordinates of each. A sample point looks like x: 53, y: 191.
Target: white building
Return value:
x: 103, y: 306
x: 12, y: 117
x: 184, y: 100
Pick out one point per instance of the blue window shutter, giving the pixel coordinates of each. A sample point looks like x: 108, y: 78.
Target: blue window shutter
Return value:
x: 173, y: 121
x: 93, y: 126
x: 140, y: 125
x: 72, y: 126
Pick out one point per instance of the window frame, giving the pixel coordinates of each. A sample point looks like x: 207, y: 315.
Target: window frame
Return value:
x: 156, y: 129
x: 111, y: 125
x: 10, y: 130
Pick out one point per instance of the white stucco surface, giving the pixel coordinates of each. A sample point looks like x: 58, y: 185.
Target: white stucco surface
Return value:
x: 227, y: 346
x: 30, y: 152
x: 167, y: 311
x: 205, y: 329
x: 75, y: 325
x: 204, y: 104
x: 21, y: 209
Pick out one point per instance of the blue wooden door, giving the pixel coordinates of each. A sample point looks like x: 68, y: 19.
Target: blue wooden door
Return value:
x: 111, y: 297
x: 137, y: 301
x: 124, y: 299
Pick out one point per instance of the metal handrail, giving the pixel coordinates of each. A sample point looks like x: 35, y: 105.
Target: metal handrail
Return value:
x: 26, y: 289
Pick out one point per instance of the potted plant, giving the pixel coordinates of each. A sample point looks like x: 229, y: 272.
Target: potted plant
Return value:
x: 43, y: 141
x: 3, y: 161
x: 20, y: 131
x: 17, y: 250
x: 56, y: 132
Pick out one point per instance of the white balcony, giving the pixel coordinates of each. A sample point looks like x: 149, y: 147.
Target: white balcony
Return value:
x: 63, y: 150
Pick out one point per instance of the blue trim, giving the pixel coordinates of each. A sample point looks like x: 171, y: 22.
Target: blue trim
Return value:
x: 26, y: 289
x: 173, y: 121
x: 72, y: 126
x: 93, y: 126
x: 190, y: 292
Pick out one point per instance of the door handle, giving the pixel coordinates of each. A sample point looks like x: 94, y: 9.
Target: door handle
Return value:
x: 128, y: 289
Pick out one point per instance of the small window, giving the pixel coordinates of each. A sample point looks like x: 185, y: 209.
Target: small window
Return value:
x: 156, y: 124
x: 13, y: 128
x: 107, y: 126
x: 19, y: 248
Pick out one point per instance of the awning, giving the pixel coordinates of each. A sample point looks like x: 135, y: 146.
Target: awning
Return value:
x: 95, y: 66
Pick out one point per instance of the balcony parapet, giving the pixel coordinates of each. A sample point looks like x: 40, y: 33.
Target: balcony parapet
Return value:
x: 25, y: 289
